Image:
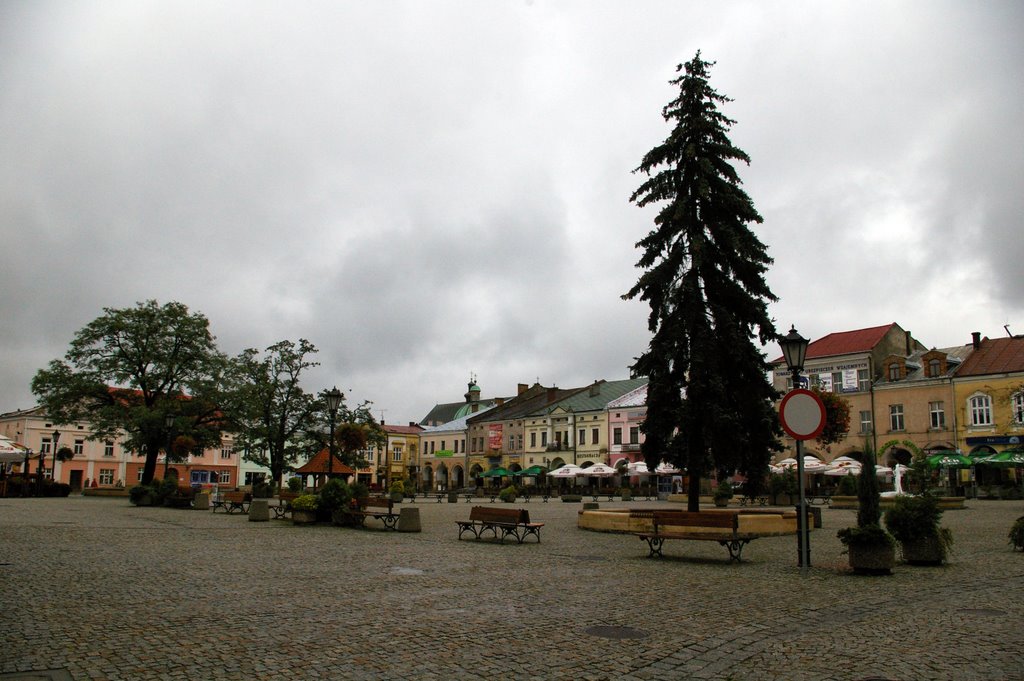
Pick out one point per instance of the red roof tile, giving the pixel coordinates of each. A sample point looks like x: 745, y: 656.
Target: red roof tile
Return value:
x: 995, y: 356
x: 318, y: 464
x: 403, y: 430
x: 848, y: 342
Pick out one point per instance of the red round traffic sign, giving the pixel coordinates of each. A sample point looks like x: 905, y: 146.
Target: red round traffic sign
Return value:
x: 802, y: 414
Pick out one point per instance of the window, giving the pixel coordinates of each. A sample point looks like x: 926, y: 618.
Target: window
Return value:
x: 226, y: 451
x: 837, y: 381
x: 79, y: 447
x: 106, y: 476
x: 936, y: 415
x: 369, y: 455
x: 634, y: 435
x: 533, y: 440
x: 252, y: 477
x: 1017, y: 403
x: 863, y: 380
x: 583, y: 436
x: 46, y: 446
x: 865, y: 422
x: 894, y: 372
x: 544, y: 438
x: 895, y: 417
x: 980, y: 407
x: 224, y: 478
x: 108, y: 448
x: 595, y: 435
x: 511, y: 442
x: 396, y: 454
x: 139, y: 476
x: 934, y: 368
x: 616, y: 436
x: 432, y: 446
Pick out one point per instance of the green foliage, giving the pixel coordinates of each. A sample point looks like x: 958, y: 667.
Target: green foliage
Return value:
x: 166, y: 488
x: 848, y: 485
x: 867, y: 535
x: 914, y: 518
x: 723, y: 491
x: 295, y: 484
x: 305, y: 502
x: 508, y: 494
x: 409, y: 487
x: 128, y: 368
x: 137, y: 493
x: 359, y: 490
x: 273, y: 416
x: 869, y: 509
x: 397, y: 487
x: 65, y: 454
x: 710, y: 403
x: 1016, y: 535
x: 335, y: 495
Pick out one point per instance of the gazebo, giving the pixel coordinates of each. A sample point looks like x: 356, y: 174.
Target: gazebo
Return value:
x: 317, y: 467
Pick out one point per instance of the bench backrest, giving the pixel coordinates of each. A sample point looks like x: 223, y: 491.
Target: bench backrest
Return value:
x: 377, y: 502
x: 234, y: 497
x: 491, y: 514
x: 695, y: 519
x: 288, y: 495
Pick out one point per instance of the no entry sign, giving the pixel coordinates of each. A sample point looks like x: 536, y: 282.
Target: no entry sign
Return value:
x: 802, y: 414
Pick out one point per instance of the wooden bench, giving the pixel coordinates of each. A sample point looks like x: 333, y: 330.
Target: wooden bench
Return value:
x: 760, y: 500
x: 380, y: 508
x: 722, y: 527
x: 507, y: 521
x: 232, y: 501
x: 284, y: 503
x: 609, y: 494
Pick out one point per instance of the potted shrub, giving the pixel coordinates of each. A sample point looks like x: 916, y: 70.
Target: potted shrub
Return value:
x: 397, y: 491
x: 1017, y: 534
x: 335, y: 500
x: 914, y: 522
x: 508, y: 494
x: 141, y: 495
x: 723, y: 493
x: 295, y: 484
x: 626, y: 493
x: 871, y: 549
x: 304, y: 508
x: 778, y: 489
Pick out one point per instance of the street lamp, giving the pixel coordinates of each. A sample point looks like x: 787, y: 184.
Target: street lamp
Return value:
x: 42, y: 457
x: 168, y: 424
x: 794, y: 349
x: 334, y: 397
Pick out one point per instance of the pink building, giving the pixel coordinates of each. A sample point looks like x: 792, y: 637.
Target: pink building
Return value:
x: 625, y: 414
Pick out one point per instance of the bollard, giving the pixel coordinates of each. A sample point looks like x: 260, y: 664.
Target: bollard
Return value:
x: 409, y: 520
x: 259, y: 510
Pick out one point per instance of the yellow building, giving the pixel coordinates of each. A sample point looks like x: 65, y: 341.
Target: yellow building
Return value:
x: 989, y: 396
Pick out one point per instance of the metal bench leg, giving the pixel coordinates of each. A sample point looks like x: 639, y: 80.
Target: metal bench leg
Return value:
x: 655, y: 544
x: 735, y: 547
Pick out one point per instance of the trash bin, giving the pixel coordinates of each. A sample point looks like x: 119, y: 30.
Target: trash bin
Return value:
x: 259, y: 510
x: 409, y: 520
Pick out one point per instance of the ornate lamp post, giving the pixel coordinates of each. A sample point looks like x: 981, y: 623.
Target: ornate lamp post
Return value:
x: 42, y: 457
x: 794, y: 349
x: 334, y: 398
x: 168, y: 425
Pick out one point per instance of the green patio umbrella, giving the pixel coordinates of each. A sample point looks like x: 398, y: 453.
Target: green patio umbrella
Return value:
x: 949, y: 459
x: 495, y: 473
x: 532, y: 471
x: 1007, y: 459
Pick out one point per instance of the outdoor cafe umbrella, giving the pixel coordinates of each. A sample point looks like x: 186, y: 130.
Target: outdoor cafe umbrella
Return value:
x: 949, y: 459
x: 637, y: 468
x: 495, y: 473
x: 1006, y: 459
x: 531, y: 472
x: 665, y: 468
x: 566, y: 471
x: 599, y: 470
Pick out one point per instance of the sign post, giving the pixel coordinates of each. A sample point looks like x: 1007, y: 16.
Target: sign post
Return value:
x: 802, y: 414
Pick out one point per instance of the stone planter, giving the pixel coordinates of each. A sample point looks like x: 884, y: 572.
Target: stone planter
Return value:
x: 721, y: 502
x: 872, y: 559
x: 926, y: 551
x: 303, y: 517
x: 627, y: 496
x: 572, y: 498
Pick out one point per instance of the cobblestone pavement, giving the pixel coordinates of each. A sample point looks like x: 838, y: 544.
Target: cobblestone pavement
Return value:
x: 103, y: 590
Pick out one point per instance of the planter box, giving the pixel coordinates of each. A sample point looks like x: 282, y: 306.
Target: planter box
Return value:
x: 572, y: 498
x: 872, y: 560
x: 926, y: 551
x: 303, y: 517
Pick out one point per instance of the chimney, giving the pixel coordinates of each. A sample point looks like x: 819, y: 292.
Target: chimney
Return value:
x: 522, y: 388
x: 552, y: 393
x: 976, y: 339
x: 498, y: 401
x: 474, y: 408
x: 910, y: 343
x: 595, y: 389
x: 412, y: 424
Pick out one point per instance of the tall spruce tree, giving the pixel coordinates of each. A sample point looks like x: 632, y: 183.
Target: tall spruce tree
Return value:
x: 710, y: 405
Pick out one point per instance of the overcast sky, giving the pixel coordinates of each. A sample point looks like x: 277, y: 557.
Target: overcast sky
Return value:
x: 429, y: 189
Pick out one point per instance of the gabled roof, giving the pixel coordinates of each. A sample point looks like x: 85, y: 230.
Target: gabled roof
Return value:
x: 318, y: 464
x: 848, y: 342
x: 453, y: 426
x: 529, y: 402
x: 402, y: 430
x: 634, y: 398
x: 995, y: 356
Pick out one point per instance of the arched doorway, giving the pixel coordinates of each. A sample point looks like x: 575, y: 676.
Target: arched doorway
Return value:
x: 458, y: 480
x: 428, y: 478
x: 441, y: 475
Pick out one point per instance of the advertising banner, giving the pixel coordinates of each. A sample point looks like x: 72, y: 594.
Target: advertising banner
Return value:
x: 494, y: 436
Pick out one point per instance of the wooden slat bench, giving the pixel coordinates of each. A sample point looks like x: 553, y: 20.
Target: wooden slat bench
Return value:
x: 722, y: 527
x: 284, y: 503
x: 232, y: 501
x: 507, y: 521
x: 380, y: 508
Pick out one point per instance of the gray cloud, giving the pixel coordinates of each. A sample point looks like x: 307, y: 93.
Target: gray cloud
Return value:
x: 424, y: 190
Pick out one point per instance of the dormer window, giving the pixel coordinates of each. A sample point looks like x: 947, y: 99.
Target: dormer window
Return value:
x: 894, y: 371
x: 934, y: 368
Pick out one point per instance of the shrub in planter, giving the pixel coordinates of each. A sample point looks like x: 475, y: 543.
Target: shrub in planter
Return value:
x: 508, y: 494
x: 397, y: 491
x: 847, y: 486
x: 626, y: 493
x: 723, y: 493
x: 304, y: 509
x: 1017, y: 534
x: 141, y: 495
x: 914, y: 522
x: 295, y: 484
x: 334, y: 496
x: 871, y: 549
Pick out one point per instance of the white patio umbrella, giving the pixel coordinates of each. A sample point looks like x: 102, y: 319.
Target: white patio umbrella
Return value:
x: 814, y: 465
x: 839, y: 471
x: 566, y: 471
x: 638, y: 468
x: 10, y: 452
x: 599, y: 470
x: 786, y: 463
x: 665, y: 468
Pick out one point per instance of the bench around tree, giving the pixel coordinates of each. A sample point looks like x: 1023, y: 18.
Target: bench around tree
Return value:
x: 506, y: 521
x: 719, y: 526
